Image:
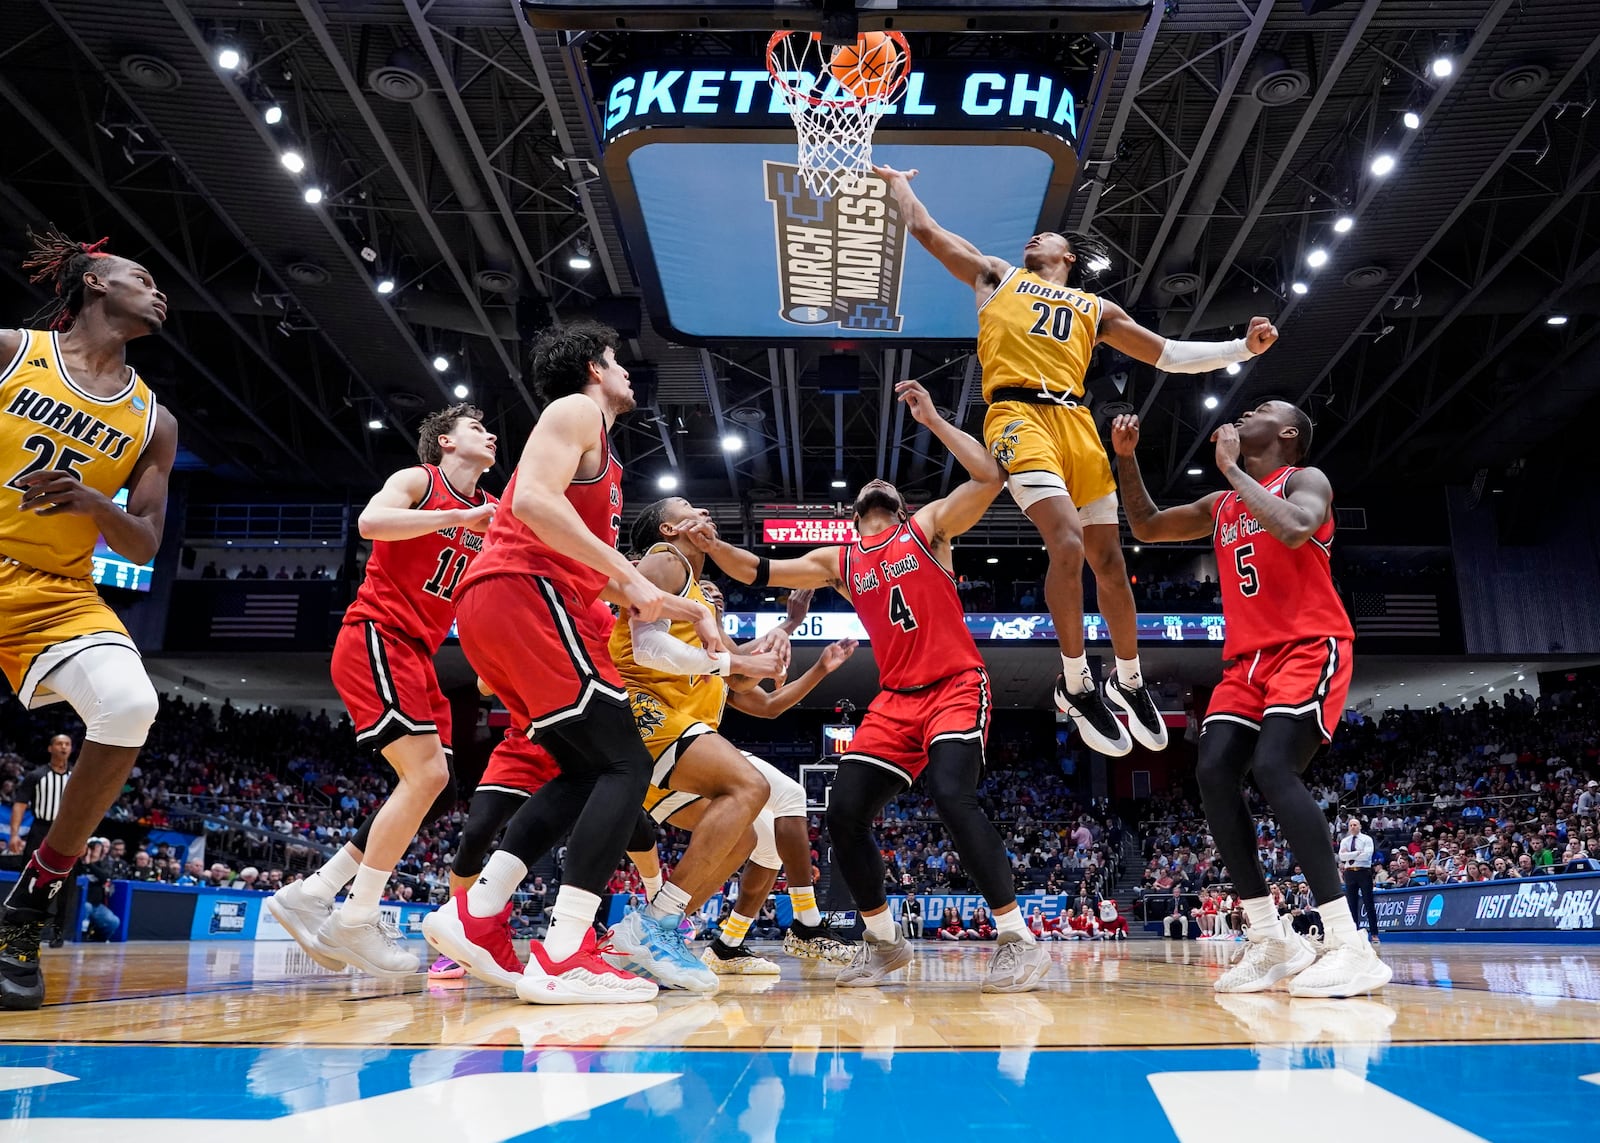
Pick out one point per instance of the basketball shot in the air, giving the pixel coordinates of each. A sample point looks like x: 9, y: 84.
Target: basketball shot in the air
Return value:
x: 836, y: 93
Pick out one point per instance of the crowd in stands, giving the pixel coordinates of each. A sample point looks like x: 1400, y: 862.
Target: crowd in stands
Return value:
x: 1491, y: 790
x: 245, y: 571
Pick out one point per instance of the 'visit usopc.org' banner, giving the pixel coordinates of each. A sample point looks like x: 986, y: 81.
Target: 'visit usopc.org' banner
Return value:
x: 1537, y: 904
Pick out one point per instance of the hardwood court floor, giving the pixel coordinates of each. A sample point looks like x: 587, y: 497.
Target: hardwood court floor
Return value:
x: 141, y: 1029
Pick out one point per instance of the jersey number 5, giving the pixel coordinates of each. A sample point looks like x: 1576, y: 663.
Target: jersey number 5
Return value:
x: 1054, y: 321
x: 445, y: 577
x: 67, y: 461
x: 899, y: 614
x: 1249, y: 579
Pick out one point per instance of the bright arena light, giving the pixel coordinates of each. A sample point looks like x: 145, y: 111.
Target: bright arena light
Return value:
x: 1382, y: 165
x: 273, y: 115
x: 732, y: 443
x: 229, y: 59
x: 666, y: 482
x: 374, y: 424
x: 1300, y: 288
x: 1212, y: 402
x: 1344, y: 225
x: 292, y: 161
x: 1442, y: 66
x: 441, y: 363
x: 838, y: 484
x: 579, y: 262
x: 461, y: 392
x: 1556, y: 319
x: 1412, y: 120
x: 313, y: 195
x: 1195, y: 471
x: 385, y: 285
x: 1233, y: 369
x: 1316, y: 258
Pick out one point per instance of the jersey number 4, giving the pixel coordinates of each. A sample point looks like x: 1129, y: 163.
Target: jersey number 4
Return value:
x: 1054, y: 321
x: 1249, y: 578
x: 45, y: 448
x: 899, y: 613
x: 445, y: 577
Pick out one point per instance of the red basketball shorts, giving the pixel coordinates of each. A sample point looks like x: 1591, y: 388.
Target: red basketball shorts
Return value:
x: 1308, y: 679
x: 899, y: 726
x: 548, y: 665
x: 517, y: 765
x: 388, y: 684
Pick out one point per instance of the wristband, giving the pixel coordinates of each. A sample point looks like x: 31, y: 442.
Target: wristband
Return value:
x: 723, y: 661
x: 763, y: 570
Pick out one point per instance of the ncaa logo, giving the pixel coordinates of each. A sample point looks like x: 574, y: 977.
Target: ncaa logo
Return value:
x: 1435, y: 909
x: 809, y: 315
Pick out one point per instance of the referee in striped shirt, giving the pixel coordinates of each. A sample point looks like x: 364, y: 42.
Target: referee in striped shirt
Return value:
x: 42, y: 790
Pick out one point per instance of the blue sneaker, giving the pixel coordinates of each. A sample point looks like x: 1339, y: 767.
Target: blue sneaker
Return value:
x: 655, y: 949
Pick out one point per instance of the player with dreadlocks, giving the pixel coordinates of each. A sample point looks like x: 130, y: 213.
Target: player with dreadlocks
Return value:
x: 78, y: 425
x: 1038, y: 324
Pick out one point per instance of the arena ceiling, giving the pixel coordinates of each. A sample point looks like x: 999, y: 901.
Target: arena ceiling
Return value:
x: 454, y: 150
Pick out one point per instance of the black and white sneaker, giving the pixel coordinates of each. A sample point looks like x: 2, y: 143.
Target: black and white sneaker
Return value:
x: 1144, y: 721
x: 1099, y: 727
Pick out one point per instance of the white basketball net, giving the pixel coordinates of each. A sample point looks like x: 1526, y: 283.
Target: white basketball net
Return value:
x: 834, y: 113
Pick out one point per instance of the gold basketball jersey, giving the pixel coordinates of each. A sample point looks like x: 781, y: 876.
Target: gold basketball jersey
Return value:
x: 47, y: 421
x: 1033, y: 334
x: 699, y: 697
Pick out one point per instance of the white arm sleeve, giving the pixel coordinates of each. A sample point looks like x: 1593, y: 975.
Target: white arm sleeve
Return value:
x: 655, y: 646
x: 1201, y: 356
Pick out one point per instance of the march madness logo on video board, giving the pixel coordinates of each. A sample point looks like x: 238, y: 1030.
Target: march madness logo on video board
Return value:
x: 839, y: 259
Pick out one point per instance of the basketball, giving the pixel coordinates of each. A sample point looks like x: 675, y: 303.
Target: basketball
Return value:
x: 864, y: 69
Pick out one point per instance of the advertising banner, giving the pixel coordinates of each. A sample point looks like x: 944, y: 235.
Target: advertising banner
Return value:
x: 1569, y: 903
x: 812, y: 533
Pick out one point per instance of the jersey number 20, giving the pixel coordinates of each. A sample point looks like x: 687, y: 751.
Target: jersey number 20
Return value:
x: 899, y: 613
x: 1054, y: 321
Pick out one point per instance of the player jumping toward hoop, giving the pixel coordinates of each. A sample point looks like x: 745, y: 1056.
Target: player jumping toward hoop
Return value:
x: 1037, y: 327
x: 1288, y: 666
x: 933, y: 714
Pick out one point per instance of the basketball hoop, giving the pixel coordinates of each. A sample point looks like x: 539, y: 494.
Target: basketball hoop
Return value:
x: 836, y: 104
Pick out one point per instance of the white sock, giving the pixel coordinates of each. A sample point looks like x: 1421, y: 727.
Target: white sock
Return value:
x: 1338, y: 926
x: 735, y: 928
x: 804, y: 900
x: 1075, y: 674
x: 500, y: 877
x: 881, y: 926
x: 669, y: 901
x: 361, y: 906
x: 326, y: 882
x: 1128, y: 673
x: 1262, y: 916
x: 652, y: 885
x: 1012, y: 922
x: 571, y: 917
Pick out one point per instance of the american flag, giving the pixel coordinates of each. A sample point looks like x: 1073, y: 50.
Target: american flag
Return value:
x: 1397, y: 614
x: 256, y: 615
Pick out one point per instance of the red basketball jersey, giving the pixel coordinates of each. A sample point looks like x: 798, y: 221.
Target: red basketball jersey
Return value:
x: 907, y: 602
x: 512, y: 548
x: 410, y: 584
x: 1271, y: 593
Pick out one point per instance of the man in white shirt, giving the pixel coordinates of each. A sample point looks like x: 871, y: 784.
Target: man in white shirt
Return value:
x: 1355, y: 864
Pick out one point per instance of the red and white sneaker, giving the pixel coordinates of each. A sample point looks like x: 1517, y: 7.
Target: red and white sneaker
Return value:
x: 481, y: 945
x: 445, y: 969
x: 585, y: 977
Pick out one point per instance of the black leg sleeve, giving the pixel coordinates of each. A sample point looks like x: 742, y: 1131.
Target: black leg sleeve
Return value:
x: 491, y: 810
x: 1283, y: 752
x: 954, y: 769
x: 858, y: 795
x: 1226, y: 749
x: 604, y: 773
